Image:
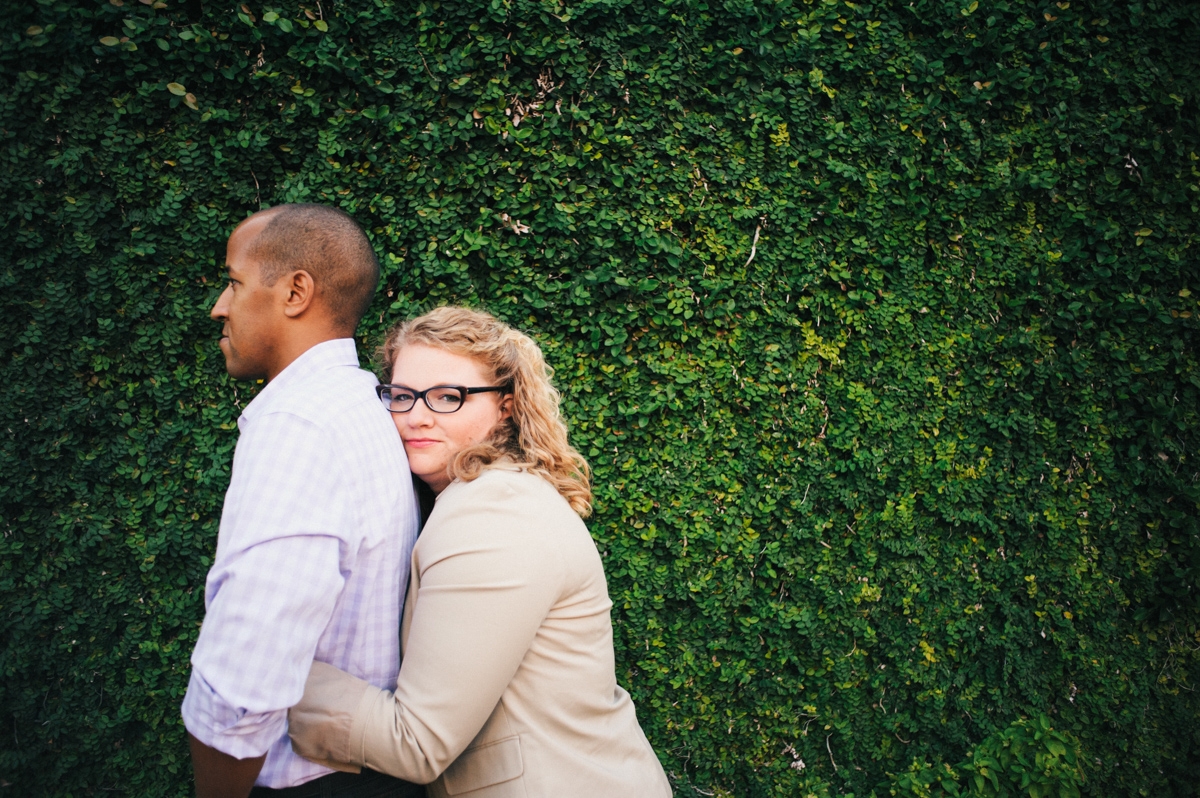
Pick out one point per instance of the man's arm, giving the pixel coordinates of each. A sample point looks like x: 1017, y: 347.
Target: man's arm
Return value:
x: 218, y: 775
x: 269, y: 597
x: 234, y: 719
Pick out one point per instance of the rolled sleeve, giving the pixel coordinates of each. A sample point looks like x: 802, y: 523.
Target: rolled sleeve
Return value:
x: 228, y: 729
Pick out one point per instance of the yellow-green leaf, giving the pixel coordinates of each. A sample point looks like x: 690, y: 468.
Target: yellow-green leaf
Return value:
x: 109, y: 41
x: 33, y: 30
x: 177, y: 89
x: 321, y: 25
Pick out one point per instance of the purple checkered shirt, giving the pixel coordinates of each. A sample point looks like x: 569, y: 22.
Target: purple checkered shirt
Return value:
x: 312, y: 558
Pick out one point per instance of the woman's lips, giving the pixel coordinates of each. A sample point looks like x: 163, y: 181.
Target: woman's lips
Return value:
x: 420, y: 443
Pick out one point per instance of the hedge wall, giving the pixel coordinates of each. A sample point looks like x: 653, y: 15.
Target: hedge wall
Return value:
x: 876, y: 320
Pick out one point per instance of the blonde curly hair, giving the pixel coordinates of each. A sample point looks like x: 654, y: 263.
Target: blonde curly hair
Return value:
x: 534, y: 435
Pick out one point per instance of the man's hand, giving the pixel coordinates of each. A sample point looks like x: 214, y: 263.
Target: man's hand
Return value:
x: 218, y: 775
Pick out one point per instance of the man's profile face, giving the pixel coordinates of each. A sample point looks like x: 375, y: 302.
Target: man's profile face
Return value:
x: 250, y: 312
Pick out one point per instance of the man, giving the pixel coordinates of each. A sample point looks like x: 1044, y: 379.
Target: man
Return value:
x: 319, y: 519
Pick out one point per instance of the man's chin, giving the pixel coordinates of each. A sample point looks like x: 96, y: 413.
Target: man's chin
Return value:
x: 239, y: 371
x: 231, y: 365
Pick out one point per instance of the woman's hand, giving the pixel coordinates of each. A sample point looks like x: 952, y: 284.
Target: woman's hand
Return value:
x: 321, y: 725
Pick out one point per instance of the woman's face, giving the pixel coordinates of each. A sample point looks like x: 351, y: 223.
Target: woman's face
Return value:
x: 432, y: 439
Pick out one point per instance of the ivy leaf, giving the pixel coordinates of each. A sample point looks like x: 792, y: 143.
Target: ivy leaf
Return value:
x: 109, y: 41
x: 177, y: 89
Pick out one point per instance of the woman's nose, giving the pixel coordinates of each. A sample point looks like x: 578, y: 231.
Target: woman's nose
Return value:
x: 420, y: 415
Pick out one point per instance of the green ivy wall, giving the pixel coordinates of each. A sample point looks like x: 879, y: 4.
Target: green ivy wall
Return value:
x: 876, y: 320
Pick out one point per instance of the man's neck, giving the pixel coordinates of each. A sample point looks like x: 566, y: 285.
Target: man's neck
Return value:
x: 297, y: 345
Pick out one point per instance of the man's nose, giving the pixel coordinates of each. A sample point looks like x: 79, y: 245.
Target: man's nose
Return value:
x: 220, y: 311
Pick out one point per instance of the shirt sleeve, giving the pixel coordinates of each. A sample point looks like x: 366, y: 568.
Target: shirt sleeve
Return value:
x: 486, y: 586
x: 272, y: 589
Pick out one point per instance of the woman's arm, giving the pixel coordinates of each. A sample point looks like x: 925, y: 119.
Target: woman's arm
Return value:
x: 488, y: 574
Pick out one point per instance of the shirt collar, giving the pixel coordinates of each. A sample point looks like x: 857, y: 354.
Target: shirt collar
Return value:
x: 325, y: 355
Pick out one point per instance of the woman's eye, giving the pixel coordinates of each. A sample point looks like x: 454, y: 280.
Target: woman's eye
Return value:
x: 445, y: 398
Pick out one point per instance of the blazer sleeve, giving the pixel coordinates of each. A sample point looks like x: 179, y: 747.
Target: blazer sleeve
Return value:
x: 489, y: 574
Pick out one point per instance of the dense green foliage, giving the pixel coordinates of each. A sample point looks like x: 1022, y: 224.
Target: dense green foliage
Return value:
x: 1027, y: 759
x: 877, y: 322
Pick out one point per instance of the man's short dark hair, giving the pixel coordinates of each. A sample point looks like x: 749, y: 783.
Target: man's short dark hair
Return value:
x: 327, y: 243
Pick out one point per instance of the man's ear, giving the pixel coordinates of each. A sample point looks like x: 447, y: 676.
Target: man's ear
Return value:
x: 301, y: 292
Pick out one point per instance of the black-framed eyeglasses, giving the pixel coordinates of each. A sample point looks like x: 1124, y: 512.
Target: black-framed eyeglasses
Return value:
x: 439, y: 398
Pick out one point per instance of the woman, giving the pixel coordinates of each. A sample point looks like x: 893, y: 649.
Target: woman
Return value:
x: 508, y: 684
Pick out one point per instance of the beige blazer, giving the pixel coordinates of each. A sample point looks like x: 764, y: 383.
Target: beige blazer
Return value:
x: 508, y: 683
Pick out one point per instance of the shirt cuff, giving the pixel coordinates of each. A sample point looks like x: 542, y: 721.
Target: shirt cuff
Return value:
x: 228, y: 729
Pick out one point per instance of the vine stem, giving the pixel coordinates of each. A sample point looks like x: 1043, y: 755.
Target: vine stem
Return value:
x: 754, y: 244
